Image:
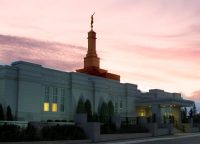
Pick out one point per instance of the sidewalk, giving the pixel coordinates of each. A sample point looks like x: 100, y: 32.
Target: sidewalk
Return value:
x: 52, y: 142
x: 152, y: 139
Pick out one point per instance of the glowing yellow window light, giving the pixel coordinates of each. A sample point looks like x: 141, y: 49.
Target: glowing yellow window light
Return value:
x: 54, y: 107
x: 142, y: 113
x: 46, y: 107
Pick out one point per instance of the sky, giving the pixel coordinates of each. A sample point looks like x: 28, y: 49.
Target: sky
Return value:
x: 151, y: 43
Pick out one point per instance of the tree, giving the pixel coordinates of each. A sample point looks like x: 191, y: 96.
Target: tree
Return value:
x: 191, y: 113
x: 80, y: 106
x: 1, y: 113
x: 194, y: 110
x: 88, y: 109
x: 95, y: 117
x: 110, y: 109
x: 184, y: 115
x: 103, y: 113
x: 9, y: 115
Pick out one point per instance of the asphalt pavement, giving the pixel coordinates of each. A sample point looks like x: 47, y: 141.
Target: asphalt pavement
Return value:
x: 176, y: 139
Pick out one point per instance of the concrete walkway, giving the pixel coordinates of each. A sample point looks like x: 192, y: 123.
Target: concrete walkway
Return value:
x: 153, y: 139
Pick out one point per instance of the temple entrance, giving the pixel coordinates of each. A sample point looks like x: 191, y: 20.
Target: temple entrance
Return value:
x: 170, y: 114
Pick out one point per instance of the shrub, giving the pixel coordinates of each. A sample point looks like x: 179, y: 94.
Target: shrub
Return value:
x: 15, y: 133
x: 103, y: 113
x: 110, y: 109
x: 9, y: 115
x: 1, y: 113
x: 88, y: 109
x: 63, y: 132
x: 184, y: 117
x: 80, y: 107
x: 95, y: 118
x: 108, y: 129
x: 10, y: 133
x: 30, y: 133
x: 132, y: 129
x: 196, y: 118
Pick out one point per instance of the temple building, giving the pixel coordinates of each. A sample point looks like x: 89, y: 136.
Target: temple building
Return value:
x: 36, y: 93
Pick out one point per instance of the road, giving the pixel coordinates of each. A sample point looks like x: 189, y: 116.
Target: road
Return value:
x: 177, y: 139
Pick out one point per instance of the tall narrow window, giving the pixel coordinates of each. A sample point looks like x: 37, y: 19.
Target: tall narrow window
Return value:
x: 55, y: 94
x: 54, y: 104
x: 46, y: 106
x: 46, y: 100
x: 62, y: 100
x: 54, y: 107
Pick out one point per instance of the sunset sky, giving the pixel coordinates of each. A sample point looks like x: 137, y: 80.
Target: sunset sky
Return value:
x: 152, y: 43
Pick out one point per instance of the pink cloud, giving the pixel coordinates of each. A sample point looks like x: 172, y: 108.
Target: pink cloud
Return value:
x: 50, y: 54
x: 195, y: 95
x: 168, y: 53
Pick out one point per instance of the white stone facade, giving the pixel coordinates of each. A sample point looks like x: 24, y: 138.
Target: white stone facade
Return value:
x: 25, y: 87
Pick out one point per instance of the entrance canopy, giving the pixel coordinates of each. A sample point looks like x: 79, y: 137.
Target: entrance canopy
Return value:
x: 164, y: 101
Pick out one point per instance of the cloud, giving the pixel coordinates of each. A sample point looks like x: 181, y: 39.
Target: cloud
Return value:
x: 168, y: 53
x: 195, y: 95
x: 49, y: 54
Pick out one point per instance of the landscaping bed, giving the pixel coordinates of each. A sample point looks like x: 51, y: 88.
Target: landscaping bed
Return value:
x: 15, y: 133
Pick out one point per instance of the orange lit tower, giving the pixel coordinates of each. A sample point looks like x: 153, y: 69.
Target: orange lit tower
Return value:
x: 92, y: 61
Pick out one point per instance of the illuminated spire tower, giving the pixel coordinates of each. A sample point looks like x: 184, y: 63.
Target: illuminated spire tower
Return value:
x: 92, y: 61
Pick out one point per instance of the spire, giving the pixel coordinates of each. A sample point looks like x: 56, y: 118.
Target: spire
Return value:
x: 92, y: 61
x: 91, y: 58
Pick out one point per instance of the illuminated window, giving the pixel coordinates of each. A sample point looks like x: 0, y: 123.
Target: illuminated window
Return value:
x: 54, y: 107
x: 46, y: 107
x: 142, y: 113
x: 55, y: 94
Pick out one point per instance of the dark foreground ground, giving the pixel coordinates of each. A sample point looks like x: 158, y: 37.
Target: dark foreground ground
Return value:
x: 176, y: 139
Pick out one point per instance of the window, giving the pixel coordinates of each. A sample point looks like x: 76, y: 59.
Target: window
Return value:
x: 142, y: 113
x: 121, y: 104
x: 55, y: 94
x: 62, y: 100
x: 54, y: 107
x: 46, y: 98
x: 46, y: 107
